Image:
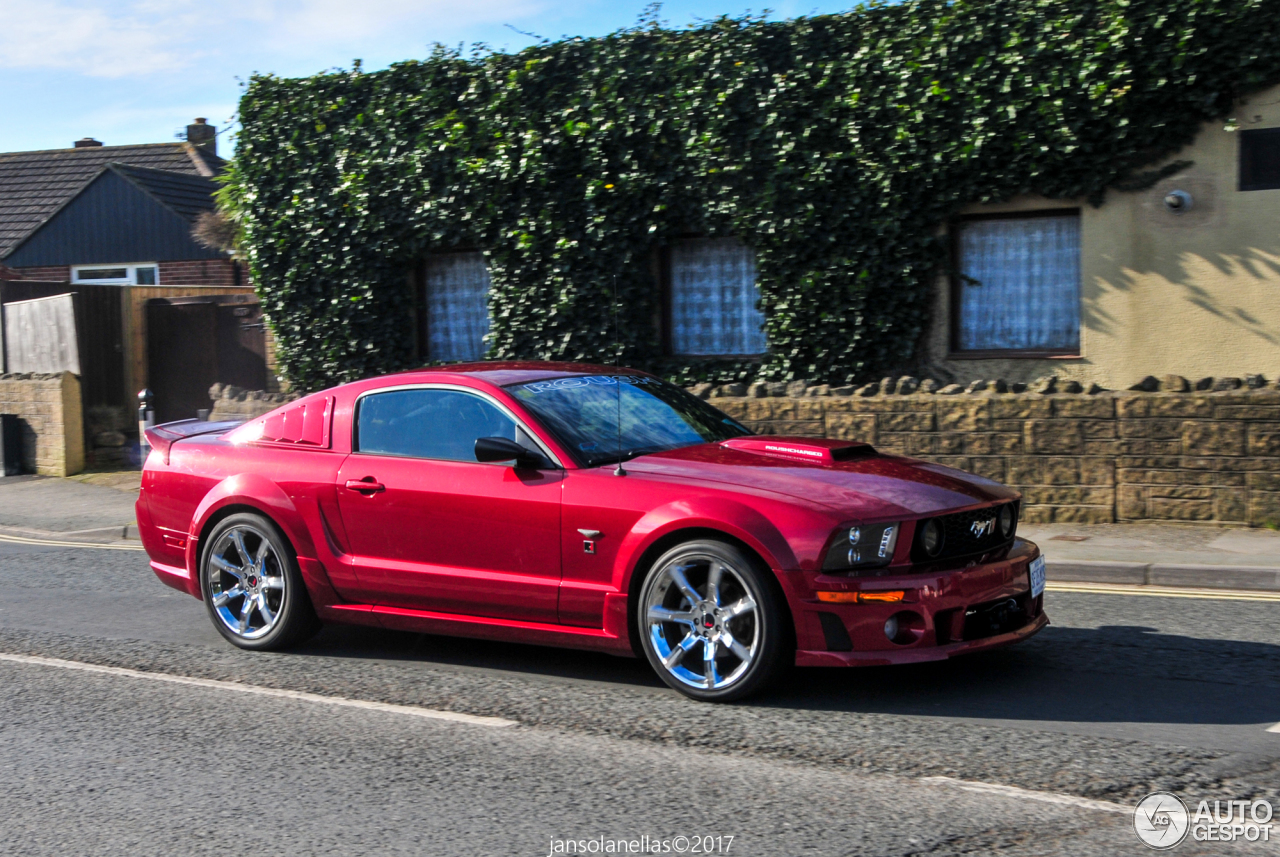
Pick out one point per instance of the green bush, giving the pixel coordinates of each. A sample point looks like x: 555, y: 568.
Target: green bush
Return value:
x: 835, y: 146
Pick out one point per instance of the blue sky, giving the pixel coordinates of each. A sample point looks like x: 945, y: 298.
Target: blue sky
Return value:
x: 137, y: 71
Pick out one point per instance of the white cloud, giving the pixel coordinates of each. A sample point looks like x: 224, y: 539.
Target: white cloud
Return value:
x: 127, y: 39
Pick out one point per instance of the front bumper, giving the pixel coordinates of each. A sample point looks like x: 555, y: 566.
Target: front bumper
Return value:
x: 949, y: 612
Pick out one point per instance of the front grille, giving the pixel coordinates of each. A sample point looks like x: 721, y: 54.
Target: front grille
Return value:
x: 958, y: 537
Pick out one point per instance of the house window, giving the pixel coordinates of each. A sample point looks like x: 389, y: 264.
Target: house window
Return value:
x: 457, y: 306
x: 115, y: 275
x: 1260, y: 159
x: 1019, y: 284
x: 712, y: 299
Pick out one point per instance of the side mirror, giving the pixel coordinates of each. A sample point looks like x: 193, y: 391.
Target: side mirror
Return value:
x: 502, y: 449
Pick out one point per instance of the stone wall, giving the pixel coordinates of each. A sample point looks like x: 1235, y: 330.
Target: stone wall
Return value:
x: 1076, y: 457
x: 48, y: 407
x: 232, y: 403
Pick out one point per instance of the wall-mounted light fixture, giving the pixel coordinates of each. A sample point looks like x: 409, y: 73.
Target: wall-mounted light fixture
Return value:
x: 1178, y: 201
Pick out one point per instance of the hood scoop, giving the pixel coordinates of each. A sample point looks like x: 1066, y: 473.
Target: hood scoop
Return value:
x: 814, y: 450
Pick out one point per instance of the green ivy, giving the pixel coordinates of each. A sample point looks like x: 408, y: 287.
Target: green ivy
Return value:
x: 835, y: 146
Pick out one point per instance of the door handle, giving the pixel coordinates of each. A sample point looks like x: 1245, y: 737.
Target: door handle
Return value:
x: 366, y: 485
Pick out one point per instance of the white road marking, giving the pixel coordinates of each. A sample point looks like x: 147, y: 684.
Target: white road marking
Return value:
x: 1275, y: 728
x: 1164, y: 591
x: 411, y: 710
x: 1028, y: 794
x: 20, y: 540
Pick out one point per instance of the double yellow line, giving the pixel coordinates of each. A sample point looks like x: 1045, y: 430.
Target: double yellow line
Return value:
x: 1163, y: 591
x: 22, y: 540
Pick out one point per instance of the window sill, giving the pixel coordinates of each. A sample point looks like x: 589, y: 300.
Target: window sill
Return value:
x: 1015, y: 354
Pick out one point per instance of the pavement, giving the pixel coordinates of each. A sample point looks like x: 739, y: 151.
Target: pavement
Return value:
x: 98, y: 508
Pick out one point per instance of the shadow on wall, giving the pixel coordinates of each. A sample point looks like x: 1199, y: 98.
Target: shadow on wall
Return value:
x: 1192, y: 276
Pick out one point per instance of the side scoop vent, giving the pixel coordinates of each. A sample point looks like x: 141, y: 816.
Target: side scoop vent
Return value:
x: 815, y: 450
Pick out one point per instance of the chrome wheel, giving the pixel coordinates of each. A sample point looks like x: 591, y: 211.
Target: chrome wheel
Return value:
x: 246, y: 582
x: 702, y: 621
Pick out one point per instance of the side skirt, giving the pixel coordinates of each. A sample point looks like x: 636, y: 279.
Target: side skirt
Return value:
x: 476, y: 627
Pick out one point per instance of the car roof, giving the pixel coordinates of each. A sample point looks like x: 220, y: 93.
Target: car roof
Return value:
x: 500, y: 373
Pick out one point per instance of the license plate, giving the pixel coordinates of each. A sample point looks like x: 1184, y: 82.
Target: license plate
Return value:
x: 1037, y: 576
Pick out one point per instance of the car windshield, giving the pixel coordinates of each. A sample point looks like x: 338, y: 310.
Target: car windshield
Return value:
x: 582, y: 412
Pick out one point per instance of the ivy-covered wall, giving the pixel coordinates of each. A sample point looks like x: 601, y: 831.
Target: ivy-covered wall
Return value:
x: 833, y: 145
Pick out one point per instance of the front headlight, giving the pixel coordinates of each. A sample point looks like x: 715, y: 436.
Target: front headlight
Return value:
x: 869, y: 546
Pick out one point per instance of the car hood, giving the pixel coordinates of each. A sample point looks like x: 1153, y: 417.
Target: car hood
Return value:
x: 866, y: 483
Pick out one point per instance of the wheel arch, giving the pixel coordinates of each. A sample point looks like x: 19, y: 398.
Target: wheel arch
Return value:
x: 671, y: 539
x: 245, y: 493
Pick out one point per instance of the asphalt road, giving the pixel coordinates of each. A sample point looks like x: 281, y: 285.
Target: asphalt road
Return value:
x: 1031, y: 750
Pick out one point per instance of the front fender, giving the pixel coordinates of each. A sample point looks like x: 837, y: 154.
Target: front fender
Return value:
x: 732, y: 518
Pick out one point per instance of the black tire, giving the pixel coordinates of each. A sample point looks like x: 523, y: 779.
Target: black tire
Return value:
x: 765, y: 624
x: 277, y: 580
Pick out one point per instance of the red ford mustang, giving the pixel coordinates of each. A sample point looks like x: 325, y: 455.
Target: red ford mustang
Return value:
x: 577, y: 505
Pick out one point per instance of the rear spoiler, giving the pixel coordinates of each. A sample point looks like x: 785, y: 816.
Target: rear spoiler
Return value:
x: 161, y: 437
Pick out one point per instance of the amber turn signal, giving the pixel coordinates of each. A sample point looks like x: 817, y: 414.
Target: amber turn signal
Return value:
x: 862, y: 597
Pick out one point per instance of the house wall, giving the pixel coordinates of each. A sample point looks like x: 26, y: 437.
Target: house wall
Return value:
x: 1192, y: 294
x: 199, y: 272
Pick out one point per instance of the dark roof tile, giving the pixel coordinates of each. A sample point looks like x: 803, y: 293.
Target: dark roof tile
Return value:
x: 34, y: 185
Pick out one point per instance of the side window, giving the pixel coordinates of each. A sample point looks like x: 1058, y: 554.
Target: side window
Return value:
x: 713, y: 299
x: 428, y: 424
x: 457, y: 304
x: 1019, y: 288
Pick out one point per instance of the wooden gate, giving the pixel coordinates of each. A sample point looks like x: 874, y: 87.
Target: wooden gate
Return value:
x: 196, y: 342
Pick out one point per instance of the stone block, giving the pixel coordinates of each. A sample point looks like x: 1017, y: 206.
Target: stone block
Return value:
x: 1098, y: 429
x: 978, y: 443
x: 915, y: 422
x: 1153, y: 429
x: 1264, y: 508
x: 956, y: 461
x: 736, y: 408
x: 992, y: 467
x: 1109, y: 448
x: 757, y: 409
x: 1006, y: 443
x: 1069, y: 496
x: 1018, y: 408
x: 951, y: 443
x: 1083, y: 515
x: 796, y: 409
x: 851, y: 427
x: 1165, y: 509
x: 1010, y: 426
x: 1136, y: 446
x: 1139, y: 476
x: 1230, y: 504
x: 1180, y: 492
x: 1097, y: 471
x: 1037, y: 514
x: 1264, y: 439
x: 1131, y: 503
x: 1060, y: 471
x: 1263, y: 481
x: 799, y: 428
x: 1248, y: 413
x: 1023, y: 470
x: 921, y: 444
x: 1100, y: 408
x: 1213, y: 438
x: 964, y: 415
x: 1053, y: 436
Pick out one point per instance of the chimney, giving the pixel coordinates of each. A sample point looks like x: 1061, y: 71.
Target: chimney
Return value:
x: 87, y: 143
x: 204, y: 135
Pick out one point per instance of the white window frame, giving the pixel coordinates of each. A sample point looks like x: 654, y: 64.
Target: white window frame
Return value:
x: 129, y: 279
